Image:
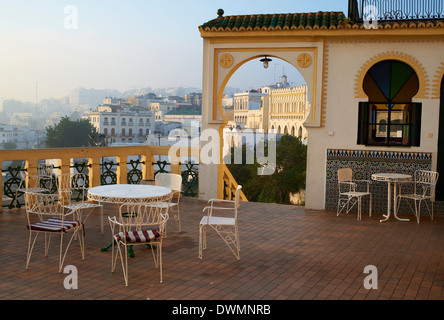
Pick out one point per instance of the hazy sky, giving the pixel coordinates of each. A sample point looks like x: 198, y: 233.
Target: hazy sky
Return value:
x: 121, y: 44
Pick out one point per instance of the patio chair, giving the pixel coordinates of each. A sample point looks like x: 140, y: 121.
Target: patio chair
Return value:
x: 174, y: 182
x: 139, y: 224
x: 45, y: 214
x: 75, y: 185
x: 349, y: 195
x: 35, y: 183
x: 422, y: 188
x: 225, y: 227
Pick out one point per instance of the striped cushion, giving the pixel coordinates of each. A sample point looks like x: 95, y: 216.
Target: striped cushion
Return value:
x: 55, y: 225
x: 137, y: 236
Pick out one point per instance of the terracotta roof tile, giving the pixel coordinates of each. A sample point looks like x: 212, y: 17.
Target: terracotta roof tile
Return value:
x: 303, y: 21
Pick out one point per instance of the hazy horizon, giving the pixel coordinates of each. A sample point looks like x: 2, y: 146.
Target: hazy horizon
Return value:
x: 122, y: 45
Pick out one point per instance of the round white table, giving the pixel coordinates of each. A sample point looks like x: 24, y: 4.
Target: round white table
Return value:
x: 391, y: 178
x: 123, y: 193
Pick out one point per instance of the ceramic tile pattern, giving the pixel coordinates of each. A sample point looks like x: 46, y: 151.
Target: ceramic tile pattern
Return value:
x: 364, y: 164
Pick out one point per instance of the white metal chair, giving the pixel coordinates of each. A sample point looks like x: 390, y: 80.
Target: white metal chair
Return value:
x: 139, y: 224
x: 174, y: 182
x: 45, y: 214
x: 422, y: 188
x: 225, y: 227
x: 75, y: 185
x: 349, y: 195
x: 35, y: 183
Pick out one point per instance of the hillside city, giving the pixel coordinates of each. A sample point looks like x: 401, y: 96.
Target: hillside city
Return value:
x: 150, y: 115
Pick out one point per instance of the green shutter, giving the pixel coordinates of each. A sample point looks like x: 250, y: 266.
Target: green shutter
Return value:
x: 362, y: 122
x: 416, y: 124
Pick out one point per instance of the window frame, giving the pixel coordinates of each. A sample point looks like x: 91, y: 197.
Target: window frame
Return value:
x: 364, y: 123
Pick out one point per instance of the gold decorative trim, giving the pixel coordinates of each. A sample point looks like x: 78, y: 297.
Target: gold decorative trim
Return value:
x: 392, y: 55
x: 324, y: 83
x: 226, y: 60
x: 436, y: 86
x: 304, y: 60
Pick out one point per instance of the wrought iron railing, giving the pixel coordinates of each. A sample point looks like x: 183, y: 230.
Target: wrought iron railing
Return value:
x: 396, y: 10
x: 111, y: 169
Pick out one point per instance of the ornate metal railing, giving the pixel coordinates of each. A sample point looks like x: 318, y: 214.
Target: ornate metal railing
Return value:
x: 102, y: 166
x: 395, y: 10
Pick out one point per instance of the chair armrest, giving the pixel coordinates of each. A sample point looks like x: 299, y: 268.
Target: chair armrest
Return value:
x: 220, y: 200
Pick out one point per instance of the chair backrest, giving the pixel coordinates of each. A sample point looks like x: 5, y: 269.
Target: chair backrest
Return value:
x: 169, y: 180
x: 345, y: 175
x: 426, y: 180
x: 43, y: 204
x: 76, y: 183
x: 139, y: 215
x: 35, y: 182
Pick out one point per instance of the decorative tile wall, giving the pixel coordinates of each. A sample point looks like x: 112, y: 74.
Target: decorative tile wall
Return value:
x: 364, y: 164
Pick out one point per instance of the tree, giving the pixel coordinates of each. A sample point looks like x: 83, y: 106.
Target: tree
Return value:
x: 67, y: 133
x: 288, y: 178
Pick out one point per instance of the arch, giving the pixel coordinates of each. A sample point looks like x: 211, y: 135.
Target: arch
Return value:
x: 279, y: 130
x: 390, y: 55
x: 293, y: 131
x: 286, y: 130
x: 256, y: 55
x: 300, y: 132
x: 391, y: 81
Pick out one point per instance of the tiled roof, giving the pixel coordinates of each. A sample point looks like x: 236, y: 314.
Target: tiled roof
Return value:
x: 269, y: 22
x: 302, y: 21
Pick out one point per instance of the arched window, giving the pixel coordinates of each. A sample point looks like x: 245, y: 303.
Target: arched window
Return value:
x: 389, y: 118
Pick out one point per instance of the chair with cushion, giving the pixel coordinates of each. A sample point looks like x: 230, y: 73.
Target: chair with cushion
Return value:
x: 349, y: 195
x: 173, y: 182
x: 46, y: 214
x: 225, y: 226
x: 139, y: 224
x: 76, y: 186
x: 422, y: 188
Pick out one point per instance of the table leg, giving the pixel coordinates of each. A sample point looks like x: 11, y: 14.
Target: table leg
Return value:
x: 395, y: 204
x: 389, y: 201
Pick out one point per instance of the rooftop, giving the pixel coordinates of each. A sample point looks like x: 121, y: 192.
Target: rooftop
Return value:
x: 288, y: 253
x: 321, y: 20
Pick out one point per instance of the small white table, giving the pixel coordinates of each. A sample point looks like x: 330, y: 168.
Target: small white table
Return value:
x: 123, y: 193
x: 389, y: 178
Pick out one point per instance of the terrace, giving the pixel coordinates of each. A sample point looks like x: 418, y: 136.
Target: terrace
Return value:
x: 288, y: 253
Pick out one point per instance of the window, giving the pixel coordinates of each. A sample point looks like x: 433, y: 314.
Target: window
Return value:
x: 390, y: 118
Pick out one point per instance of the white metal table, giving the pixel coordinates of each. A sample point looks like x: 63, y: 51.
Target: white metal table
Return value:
x: 391, y: 178
x: 123, y: 193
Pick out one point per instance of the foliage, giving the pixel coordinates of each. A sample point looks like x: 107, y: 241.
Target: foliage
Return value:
x: 289, y: 176
x: 68, y: 134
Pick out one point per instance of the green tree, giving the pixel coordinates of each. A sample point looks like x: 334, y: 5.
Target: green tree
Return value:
x: 67, y: 133
x: 289, y: 176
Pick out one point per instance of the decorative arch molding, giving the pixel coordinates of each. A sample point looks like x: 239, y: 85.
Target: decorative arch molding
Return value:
x: 392, y: 55
x: 436, y: 85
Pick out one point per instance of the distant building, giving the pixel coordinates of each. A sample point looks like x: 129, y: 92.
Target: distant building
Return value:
x: 118, y: 124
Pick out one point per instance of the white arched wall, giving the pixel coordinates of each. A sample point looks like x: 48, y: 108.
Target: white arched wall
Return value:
x: 221, y: 58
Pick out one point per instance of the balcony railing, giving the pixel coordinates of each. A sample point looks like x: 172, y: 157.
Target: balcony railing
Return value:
x: 102, y: 165
x: 396, y: 10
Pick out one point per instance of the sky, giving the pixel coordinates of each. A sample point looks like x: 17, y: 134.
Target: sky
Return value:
x: 50, y: 47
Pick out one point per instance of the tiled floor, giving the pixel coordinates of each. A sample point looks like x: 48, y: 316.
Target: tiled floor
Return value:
x: 288, y: 253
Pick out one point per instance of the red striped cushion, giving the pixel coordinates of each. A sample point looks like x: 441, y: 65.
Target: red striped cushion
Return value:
x: 138, y: 236
x: 54, y: 225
